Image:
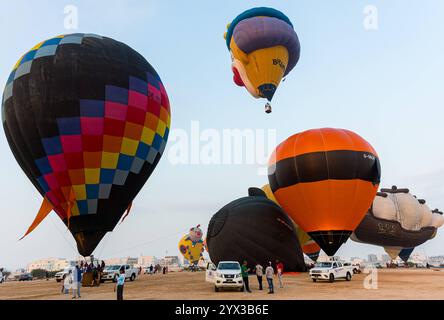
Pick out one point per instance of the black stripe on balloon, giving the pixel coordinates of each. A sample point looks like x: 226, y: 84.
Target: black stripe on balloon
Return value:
x: 325, y: 165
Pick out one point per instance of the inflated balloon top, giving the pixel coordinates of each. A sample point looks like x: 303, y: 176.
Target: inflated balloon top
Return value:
x: 264, y: 48
x: 196, y: 234
x: 325, y: 179
x: 397, y: 220
x: 191, y: 246
x: 87, y: 119
x: 255, y: 229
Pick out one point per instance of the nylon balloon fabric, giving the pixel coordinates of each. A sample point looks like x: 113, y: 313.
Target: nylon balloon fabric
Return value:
x: 325, y: 180
x: 254, y: 229
x: 87, y: 119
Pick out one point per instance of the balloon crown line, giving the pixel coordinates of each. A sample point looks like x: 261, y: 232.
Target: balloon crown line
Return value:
x: 384, y: 193
x: 395, y: 189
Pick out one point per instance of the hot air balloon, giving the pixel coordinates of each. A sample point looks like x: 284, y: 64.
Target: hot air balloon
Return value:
x: 405, y: 254
x: 255, y: 229
x: 309, y: 246
x: 392, y: 252
x: 397, y: 220
x: 87, y: 119
x: 264, y: 48
x: 191, y: 246
x: 325, y: 180
x: 311, y: 249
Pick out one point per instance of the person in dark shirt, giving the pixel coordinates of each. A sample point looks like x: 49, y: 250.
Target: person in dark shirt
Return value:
x: 244, y: 271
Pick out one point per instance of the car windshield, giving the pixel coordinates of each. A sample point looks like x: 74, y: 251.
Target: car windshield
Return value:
x: 323, y: 265
x: 229, y: 266
x: 112, y: 268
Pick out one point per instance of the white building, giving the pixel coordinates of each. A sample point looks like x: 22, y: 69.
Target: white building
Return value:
x: 120, y: 261
x: 146, y: 261
x: 49, y: 264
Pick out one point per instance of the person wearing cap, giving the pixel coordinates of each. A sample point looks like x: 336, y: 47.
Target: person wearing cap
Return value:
x: 269, y: 273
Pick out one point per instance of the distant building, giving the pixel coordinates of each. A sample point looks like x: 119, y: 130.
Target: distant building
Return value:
x: 120, y: 261
x: 356, y: 260
x: 49, y: 264
x: 170, y: 261
x: 146, y: 261
x: 436, y: 260
x: 383, y: 258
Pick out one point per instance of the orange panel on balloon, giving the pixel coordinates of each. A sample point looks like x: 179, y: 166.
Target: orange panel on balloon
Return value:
x: 327, y: 205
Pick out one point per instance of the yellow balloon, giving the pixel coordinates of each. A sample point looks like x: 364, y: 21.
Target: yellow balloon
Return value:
x: 191, y: 251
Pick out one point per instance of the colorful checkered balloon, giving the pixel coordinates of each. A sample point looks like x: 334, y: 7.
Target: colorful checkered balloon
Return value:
x: 87, y: 119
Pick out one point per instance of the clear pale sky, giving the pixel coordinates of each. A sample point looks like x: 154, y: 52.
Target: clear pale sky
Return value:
x: 384, y: 84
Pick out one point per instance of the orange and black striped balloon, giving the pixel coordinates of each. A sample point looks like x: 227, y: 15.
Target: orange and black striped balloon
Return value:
x: 325, y: 179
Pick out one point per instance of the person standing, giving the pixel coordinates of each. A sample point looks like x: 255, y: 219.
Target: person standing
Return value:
x: 76, y: 282
x: 67, y: 282
x: 244, y: 271
x: 259, y: 273
x: 269, y: 273
x: 120, y: 283
x: 280, y: 272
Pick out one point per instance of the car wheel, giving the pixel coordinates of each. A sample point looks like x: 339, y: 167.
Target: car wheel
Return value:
x: 331, y: 278
x: 348, y: 276
x: 216, y: 289
x: 355, y: 271
x: 133, y: 277
x: 314, y: 280
x: 58, y: 280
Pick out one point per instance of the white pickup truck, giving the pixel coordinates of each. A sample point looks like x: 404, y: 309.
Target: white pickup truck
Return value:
x: 226, y: 275
x: 330, y: 271
x: 355, y: 267
x: 112, y: 272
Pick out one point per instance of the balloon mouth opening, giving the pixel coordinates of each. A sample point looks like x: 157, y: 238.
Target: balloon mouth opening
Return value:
x: 267, y: 91
x: 237, y: 78
x: 88, y: 241
x: 330, y: 240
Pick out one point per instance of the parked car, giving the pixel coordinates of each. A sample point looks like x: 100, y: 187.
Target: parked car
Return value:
x: 25, y: 277
x: 112, y: 272
x: 226, y: 275
x: 330, y: 271
x: 60, y: 276
x: 354, y: 267
x: 2, y: 277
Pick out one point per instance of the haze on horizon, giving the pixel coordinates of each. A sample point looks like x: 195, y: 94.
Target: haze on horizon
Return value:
x: 384, y: 84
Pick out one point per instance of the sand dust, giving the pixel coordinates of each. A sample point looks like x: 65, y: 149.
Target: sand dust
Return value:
x: 392, y: 284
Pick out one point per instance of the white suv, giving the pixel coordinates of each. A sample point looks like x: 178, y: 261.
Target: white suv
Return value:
x: 330, y: 271
x: 60, y: 276
x: 112, y: 272
x: 226, y: 275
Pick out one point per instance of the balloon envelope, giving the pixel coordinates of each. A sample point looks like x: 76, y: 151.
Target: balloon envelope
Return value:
x: 254, y: 229
x: 396, y: 219
x: 87, y: 119
x: 309, y: 246
x: 325, y: 179
x: 264, y: 48
x: 192, y: 247
x: 405, y: 254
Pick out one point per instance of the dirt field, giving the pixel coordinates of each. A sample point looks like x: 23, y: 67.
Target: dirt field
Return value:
x: 392, y: 284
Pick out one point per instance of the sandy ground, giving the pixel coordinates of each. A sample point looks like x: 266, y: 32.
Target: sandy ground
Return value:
x: 392, y: 284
